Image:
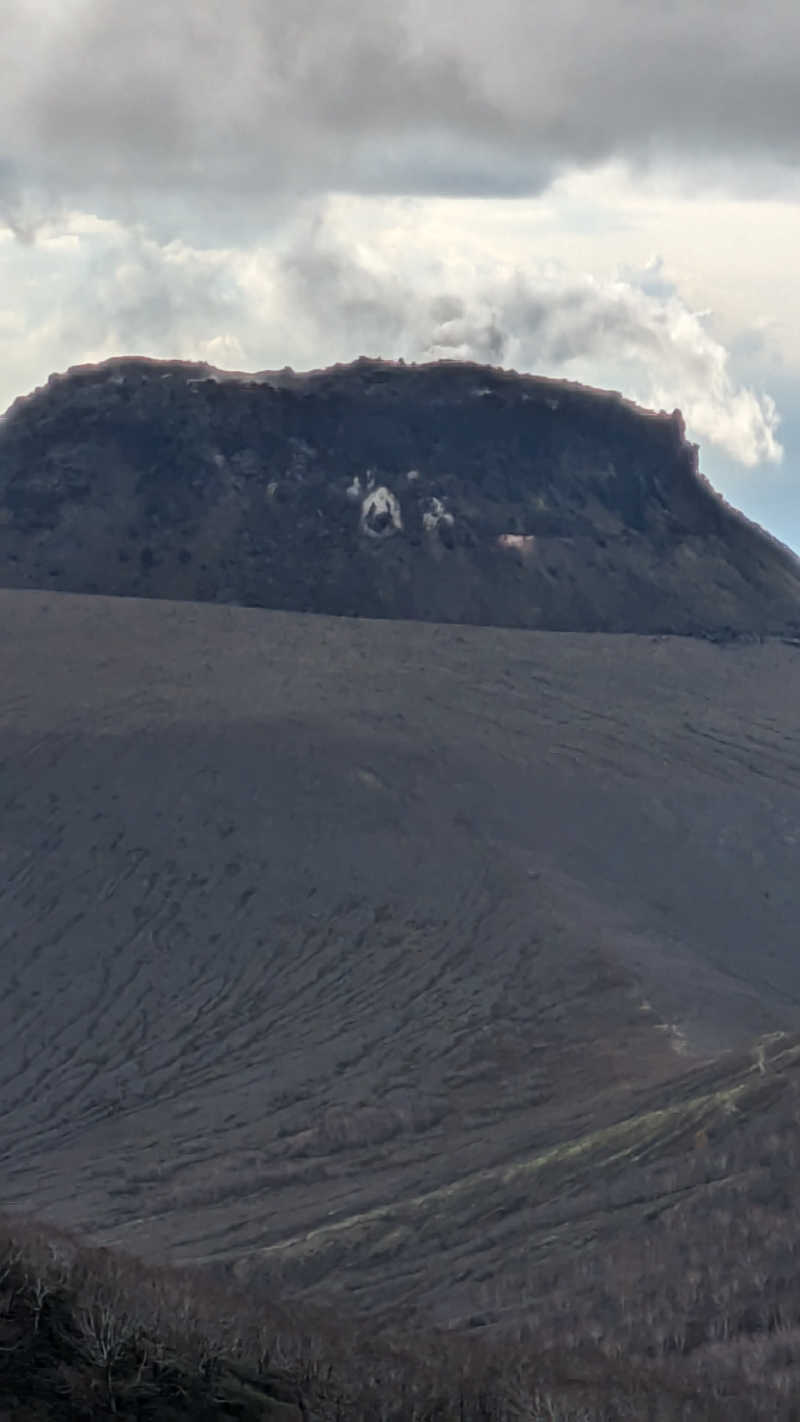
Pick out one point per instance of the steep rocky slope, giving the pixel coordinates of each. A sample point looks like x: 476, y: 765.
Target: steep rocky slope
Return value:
x: 447, y: 492
x: 397, y: 959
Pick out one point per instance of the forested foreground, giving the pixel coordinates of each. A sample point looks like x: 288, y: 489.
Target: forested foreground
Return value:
x: 89, y: 1333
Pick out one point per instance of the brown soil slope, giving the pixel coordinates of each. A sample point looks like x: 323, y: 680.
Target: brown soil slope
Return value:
x: 350, y: 932
x: 448, y: 493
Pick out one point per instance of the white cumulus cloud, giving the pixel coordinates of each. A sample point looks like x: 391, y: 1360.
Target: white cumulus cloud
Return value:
x: 318, y: 295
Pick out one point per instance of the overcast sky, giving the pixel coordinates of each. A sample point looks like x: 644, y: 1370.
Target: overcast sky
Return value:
x: 598, y: 189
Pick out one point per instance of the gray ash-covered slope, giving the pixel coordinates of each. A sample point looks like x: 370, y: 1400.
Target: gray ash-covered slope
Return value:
x: 390, y: 956
x: 448, y: 492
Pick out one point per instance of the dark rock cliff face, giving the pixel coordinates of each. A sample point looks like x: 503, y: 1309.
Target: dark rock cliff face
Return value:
x: 446, y: 492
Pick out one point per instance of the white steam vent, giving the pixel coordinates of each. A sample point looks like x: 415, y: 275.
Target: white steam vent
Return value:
x: 436, y: 514
x: 518, y: 542
x: 381, y: 515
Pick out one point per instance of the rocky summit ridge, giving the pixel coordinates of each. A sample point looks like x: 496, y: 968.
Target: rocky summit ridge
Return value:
x: 446, y: 492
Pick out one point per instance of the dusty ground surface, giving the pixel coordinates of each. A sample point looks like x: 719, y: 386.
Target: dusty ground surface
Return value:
x: 325, y: 943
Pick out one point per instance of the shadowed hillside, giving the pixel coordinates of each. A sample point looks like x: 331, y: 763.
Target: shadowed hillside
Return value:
x: 407, y: 964
x: 447, y: 492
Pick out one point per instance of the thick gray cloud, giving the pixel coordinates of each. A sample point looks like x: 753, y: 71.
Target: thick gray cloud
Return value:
x: 251, y: 98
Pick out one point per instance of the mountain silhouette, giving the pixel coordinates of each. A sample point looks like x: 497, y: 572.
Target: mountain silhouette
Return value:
x: 446, y: 492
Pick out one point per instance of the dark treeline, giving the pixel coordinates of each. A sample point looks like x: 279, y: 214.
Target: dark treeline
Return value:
x: 89, y: 1333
